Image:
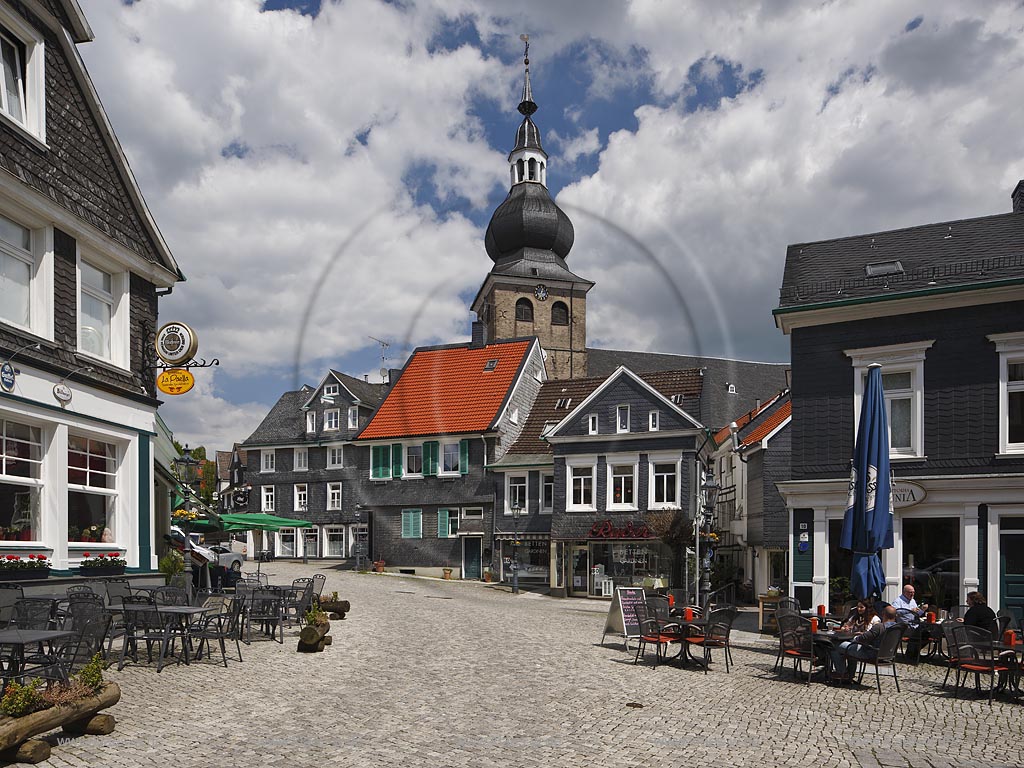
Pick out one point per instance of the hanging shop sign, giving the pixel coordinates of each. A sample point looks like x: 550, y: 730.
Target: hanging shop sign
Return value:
x: 175, y: 381
x: 176, y: 343
x: 62, y: 393
x: 906, y: 494
x: 7, y: 376
x: 605, y: 530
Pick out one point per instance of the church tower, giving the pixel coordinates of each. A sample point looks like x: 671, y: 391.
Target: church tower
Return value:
x: 530, y: 290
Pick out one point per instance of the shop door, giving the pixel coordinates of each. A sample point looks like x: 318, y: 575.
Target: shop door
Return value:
x: 1011, y: 568
x: 310, y: 542
x: 580, y: 563
x: 471, y: 557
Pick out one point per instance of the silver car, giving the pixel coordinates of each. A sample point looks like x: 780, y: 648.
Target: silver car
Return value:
x: 225, y: 557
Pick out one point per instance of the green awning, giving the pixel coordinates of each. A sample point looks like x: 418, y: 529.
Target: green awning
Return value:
x: 259, y: 521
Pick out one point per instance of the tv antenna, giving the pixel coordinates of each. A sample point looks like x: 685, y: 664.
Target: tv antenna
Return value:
x: 383, y: 357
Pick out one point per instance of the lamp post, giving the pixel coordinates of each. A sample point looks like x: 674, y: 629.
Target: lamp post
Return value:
x: 516, y: 512
x: 710, y: 489
x: 186, y: 468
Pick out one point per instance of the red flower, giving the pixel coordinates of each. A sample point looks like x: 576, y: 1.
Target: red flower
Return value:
x: 113, y: 554
x: 86, y: 554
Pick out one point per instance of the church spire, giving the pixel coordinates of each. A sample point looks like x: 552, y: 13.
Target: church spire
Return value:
x: 527, y: 106
x: 528, y: 161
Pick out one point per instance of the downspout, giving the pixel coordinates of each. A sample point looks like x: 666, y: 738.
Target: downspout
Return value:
x: 572, y: 325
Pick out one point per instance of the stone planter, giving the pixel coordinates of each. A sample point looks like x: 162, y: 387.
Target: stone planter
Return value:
x: 102, y: 570
x: 17, y: 744
x: 446, y: 573
x: 23, y: 574
x: 378, y: 566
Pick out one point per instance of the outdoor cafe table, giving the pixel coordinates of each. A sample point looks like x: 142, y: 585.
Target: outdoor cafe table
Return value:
x: 685, y: 625
x: 19, y: 638
x: 1012, y: 681
x: 182, y: 614
x: 826, y: 640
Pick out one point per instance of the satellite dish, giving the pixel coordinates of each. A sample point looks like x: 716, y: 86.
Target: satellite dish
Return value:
x: 524, y: 38
x: 383, y: 373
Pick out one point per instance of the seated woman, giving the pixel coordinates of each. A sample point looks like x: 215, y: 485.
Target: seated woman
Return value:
x: 860, y: 619
x: 978, y: 613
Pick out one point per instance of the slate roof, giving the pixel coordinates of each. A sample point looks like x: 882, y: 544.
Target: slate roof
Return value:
x: 530, y: 449
x: 446, y: 391
x: 753, y: 380
x: 284, y: 423
x: 934, y: 257
x: 367, y: 393
x: 224, y: 462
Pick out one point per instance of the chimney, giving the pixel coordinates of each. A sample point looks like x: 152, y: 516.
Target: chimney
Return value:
x: 366, y: 378
x: 1018, y: 197
x: 393, y: 375
x: 479, y: 335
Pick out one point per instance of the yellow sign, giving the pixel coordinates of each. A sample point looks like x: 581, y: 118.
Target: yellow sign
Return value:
x: 175, y: 381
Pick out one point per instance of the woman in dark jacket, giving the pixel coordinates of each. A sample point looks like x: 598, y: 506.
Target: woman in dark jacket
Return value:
x: 978, y: 613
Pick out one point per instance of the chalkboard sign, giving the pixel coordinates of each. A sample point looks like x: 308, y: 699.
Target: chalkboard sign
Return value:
x: 622, y: 619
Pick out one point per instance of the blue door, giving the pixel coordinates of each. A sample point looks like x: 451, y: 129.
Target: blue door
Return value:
x: 471, y: 557
x: 1011, y: 565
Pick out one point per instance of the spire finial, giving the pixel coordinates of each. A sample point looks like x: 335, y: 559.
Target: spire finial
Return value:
x: 527, y: 106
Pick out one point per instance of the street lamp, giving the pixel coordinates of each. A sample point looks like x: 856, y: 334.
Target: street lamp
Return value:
x: 186, y: 468
x: 710, y: 490
x: 516, y: 512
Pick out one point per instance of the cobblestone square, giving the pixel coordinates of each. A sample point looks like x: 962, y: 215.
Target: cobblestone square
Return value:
x: 430, y: 673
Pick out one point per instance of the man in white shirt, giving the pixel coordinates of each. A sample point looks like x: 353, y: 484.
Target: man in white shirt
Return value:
x: 910, y: 613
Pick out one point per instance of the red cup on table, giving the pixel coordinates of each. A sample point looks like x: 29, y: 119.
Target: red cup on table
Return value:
x: 814, y: 624
x: 821, y: 611
x: 931, y: 617
x: 1010, y: 637
x: 671, y: 601
x: 688, y: 614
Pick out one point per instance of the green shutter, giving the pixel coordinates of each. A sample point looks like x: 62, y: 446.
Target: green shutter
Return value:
x: 412, y: 524
x: 406, y: 523
x: 463, y: 456
x: 430, y: 457
x: 380, y: 462
x: 442, y: 523
x: 396, y: 460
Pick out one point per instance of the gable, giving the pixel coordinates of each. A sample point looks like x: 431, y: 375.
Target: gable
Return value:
x: 624, y: 391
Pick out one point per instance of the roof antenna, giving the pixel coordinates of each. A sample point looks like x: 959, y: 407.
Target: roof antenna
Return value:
x: 383, y: 358
x: 949, y: 234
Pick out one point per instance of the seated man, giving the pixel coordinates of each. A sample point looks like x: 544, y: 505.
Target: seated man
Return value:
x: 863, y: 646
x: 910, y: 613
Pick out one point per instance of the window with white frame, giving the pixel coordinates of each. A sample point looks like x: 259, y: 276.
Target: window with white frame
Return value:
x: 21, y: 458
x: 331, y: 419
x: 92, y: 489
x: 335, y: 457
x: 268, y: 461
x: 450, y: 458
x: 412, y: 524
x: 592, y: 424
x: 473, y: 513
x: 22, y: 96
x: 582, y: 480
x: 380, y: 462
x: 301, y: 497
x: 447, y: 523
x: 654, y: 421
x: 334, y: 541
x: 664, y: 483
x: 903, y: 384
x: 547, y: 492
x: 1010, y: 347
x: 515, y: 495
x: 99, y: 295
x: 310, y: 421
x: 17, y: 270
x: 414, y: 460
x: 267, y: 498
x: 353, y: 417
x: 334, y: 496
x: 622, y: 482
x: 301, y: 459
x: 622, y: 418
x: 330, y: 390
x: 286, y: 542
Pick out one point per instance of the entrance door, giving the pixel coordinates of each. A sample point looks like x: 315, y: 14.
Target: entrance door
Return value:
x: 471, y: 557
x: 580, y: 563
x: 1011, y: 565
x: 310, y: 541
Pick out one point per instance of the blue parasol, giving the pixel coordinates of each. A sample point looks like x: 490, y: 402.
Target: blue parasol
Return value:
x: 867, y: 525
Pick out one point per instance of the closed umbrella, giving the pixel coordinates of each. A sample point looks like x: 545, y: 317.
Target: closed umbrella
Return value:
x: 867, y: 524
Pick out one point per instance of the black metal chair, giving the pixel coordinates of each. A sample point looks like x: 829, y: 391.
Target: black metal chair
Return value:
x: 73, y: 652
x: 298, y: 600
x: 796, y: 643
x: 977, y: 654
x: 35, y: 613
x: 143, y: 623
x: 266, y: 609
x: 888, y: 645
x: 319, y: 581
x: 222, y: 627
x: 169, y: 596
x: 950, y: 655
x: 716, y: 635
x: 9, y: 595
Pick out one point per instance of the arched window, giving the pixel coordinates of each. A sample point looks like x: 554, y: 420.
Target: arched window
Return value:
x: 519, y: 169
x: 524, y: 311
x: 559, y: 313
x: 543, y: 175
x: 533, y: 169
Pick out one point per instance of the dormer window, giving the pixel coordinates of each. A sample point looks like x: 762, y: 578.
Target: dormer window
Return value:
x: 676, y: 399
x: 882, y: 268
x: 732, y: 389
x: 622, y: 419
x: 563, y: 402
x: 330, y: 390
x: 353, y: 417
x: 592, y: 424
x: 22, y: 97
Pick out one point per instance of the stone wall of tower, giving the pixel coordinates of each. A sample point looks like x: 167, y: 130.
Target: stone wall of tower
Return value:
x: 565, y: 345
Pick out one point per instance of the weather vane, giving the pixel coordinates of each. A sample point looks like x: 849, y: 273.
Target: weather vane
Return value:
x: 526, y: 53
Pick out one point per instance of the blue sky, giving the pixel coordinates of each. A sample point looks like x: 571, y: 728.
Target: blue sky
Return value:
x: 342, y: 159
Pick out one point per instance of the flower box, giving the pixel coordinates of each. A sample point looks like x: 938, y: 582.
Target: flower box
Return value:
x: 23, y: 574
x: 102, y: 570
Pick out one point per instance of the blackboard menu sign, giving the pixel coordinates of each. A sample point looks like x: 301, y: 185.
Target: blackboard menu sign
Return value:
x: 622, y: 617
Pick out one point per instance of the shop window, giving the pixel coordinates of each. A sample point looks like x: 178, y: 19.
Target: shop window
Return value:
x: 21, y: 454
x: 92, y: 489
x: 931, y: 559
x: 286, y: 542
x: 334, y: 541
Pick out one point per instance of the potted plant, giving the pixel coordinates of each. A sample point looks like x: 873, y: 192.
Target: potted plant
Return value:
x: 378, y: 566
x: 447, y: 573
x: 488, y: 575
x: 18, y: 568
x: 109, y: 564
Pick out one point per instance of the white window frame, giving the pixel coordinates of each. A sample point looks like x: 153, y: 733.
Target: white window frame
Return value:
x: 300, y: 459
x: 441, y: 471
x: 353, y: 417
x: 668, y: 458
x: 524, y: 503
x: 894, y: 358
x: 111, y: 494
x: 623, y: 461
x: 579, y: 463
x: 331, y: 464
x: 39, y: 259
x: 405, y: 460
x: 334, y: 499
x: 593, y: 424
x: 268, y: 460
x: 118, y: 299
x: 300, y: 497
x: 331, y: 390
x: 513, y: 417
x: 310, y: 421
x: 33, y: 85
x: 287, y: 534
x: 654, y: 421
x: 1010, y: 347
x: 473, y: 513
x: 547, y: 478
x: 453, y: 515
x: 332, y: 420
x: 619, y: 411
x: 267, y: 498
x: 330, y: 532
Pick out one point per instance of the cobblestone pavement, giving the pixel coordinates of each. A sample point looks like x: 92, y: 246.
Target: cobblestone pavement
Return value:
x: 431, y: 673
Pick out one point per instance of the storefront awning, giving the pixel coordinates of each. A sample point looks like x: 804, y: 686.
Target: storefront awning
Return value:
x: 509, y: 535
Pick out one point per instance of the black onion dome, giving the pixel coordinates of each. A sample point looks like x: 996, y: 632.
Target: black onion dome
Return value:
x: 528, y: 136
x: 528, y: 218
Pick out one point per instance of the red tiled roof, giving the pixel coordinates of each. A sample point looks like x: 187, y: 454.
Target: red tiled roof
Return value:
x: 761, y: 431
x: 446, y: 391
x: 723, y: 434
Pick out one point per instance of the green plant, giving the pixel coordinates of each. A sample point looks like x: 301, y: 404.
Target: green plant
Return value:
x: 20, y: 700
x: 29, y: 562
x: 62, y: 694
x: 839, y: 588
x: 104, y: 560
x: 171, y: 564
x: 938, y: 591
x: 316, y: 616
x: 91, y: 675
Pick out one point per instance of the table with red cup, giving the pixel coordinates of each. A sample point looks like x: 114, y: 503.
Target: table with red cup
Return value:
x: 1010, y: 645
x: 692, y: 625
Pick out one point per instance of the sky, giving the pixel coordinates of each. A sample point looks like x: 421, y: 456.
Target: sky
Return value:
x: 324, y: 172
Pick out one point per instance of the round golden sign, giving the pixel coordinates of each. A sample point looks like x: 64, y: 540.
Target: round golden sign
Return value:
x: 176, y: 343
x: 175, y: 381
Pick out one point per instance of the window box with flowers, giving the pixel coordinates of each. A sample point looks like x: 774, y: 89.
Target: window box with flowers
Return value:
x: 109, y: 564
x: 18, y: 568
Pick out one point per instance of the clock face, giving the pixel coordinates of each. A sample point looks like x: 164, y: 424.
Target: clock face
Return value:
x: 541, y: 292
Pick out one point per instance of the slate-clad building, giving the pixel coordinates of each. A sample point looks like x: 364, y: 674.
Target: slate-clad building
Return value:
x: 81, y: 265
x: 941, y: 307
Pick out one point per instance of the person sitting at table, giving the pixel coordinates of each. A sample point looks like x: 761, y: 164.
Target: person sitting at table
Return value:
x: 978, y: 613
x: 910, y: 613
x: 861, y: 618
x: 863, y: 647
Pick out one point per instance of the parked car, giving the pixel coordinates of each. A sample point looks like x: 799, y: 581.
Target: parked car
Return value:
x: 947, y: 574
x: 230, y: 560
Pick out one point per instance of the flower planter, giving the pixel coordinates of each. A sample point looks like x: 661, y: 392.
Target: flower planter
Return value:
x: 23, y: 574
x: 102, y: 570
x: 446, y: 573
x: 378, y: 566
